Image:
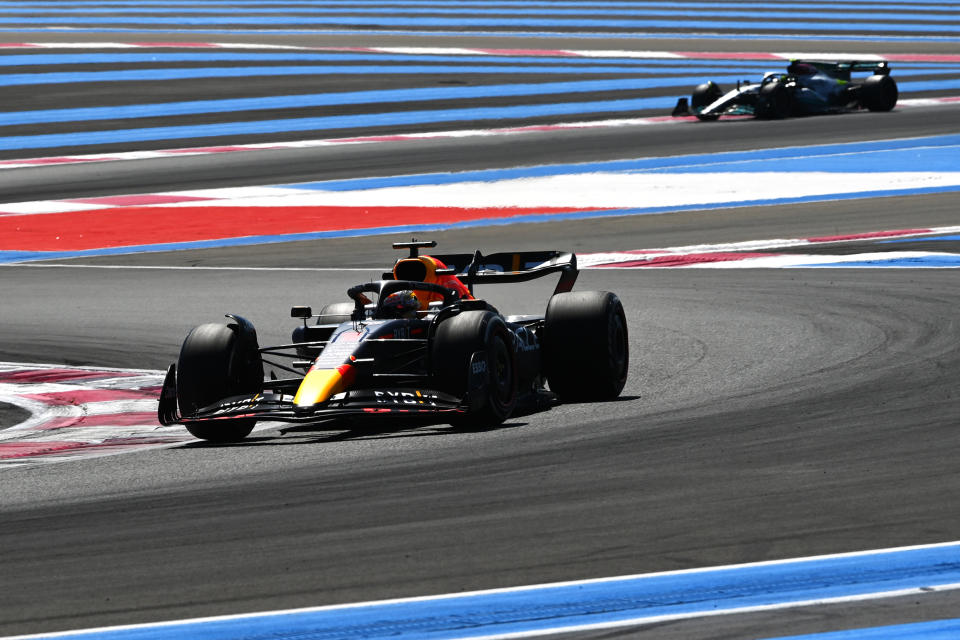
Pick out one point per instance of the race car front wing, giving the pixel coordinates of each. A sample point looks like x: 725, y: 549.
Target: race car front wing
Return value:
x: 399, y: 401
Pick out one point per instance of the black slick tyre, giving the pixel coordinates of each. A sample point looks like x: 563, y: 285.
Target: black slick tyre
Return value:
x: 585, y: 345
x: 704, y: 95
x: 774, y: 102
x: 455, y: 341
x: 213, y: 365
x: 879, y: 93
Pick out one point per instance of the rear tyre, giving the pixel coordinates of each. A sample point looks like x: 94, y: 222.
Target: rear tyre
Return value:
x: 879, y: 93
x: 585, y: 347
x: 455, y: 341
x: 214, y: 364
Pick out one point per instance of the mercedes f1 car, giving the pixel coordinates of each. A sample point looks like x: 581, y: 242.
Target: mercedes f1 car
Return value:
x: 416, y: 345
x: 808, y: 87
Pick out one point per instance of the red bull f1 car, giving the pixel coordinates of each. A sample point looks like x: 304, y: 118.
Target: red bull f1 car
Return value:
x: 809, y: 87
x: 417, y: 345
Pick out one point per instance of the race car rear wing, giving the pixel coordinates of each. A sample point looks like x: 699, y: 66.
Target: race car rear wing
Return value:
x: 842, y: 69
x: 517, y: 266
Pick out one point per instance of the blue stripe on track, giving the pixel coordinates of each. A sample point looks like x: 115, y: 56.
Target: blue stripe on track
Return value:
x: 638, y: 13
x: 617, y: 601
x: 166, y: 109
x: 152, y: 75
x: 934, y: 630
x: 928, y: 85
x: 646, y: 65
x: 188, y: 73
x: 948, y: 238
x: 588, y: 35
x: 46, y: 141
x: 313, y: 100
x: 882, y: 155
x: 526, y: 23
x: 638, y: 65
x: 941, y: 158
x: 925, y: 5
x: 290, y: 125
x: 939, y: 261
x: 331, y: 99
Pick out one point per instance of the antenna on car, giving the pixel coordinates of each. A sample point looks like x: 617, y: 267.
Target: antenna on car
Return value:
x: 473, y: 268
x: 415, y: 245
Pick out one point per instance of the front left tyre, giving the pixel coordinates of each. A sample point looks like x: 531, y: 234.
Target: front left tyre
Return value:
x: 703, y: 96
x: 215, y: 363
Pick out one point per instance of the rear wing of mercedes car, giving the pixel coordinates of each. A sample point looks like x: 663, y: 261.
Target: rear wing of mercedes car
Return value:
x: 841, y: 69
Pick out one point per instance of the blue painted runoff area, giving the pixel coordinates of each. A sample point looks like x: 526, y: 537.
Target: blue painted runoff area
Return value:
x: 699, y: 13
x: 936, y: 261
x: 933, y: 630
x: 615, y: 601
x: 490, y: 65
x: 640, y: 65
x: 918, y: 5
x: 583, y: 35
x: 932, y: 153
x: 646, y: 65
x: 299, y: 101
x: 532, y: 21
x: 84, y: 138
x: 947, y: 238
x: 187, y: 73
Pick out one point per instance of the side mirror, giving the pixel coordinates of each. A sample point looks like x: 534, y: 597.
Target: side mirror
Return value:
x: 301, y: 312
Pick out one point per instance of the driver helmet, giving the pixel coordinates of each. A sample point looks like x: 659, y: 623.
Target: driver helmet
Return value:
x: 424, y: 269
x: 401, y: 304
x: 801, y: 69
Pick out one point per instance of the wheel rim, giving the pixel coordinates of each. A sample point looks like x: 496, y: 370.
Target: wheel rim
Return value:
x: 618, y: 345
x: 502, y: 369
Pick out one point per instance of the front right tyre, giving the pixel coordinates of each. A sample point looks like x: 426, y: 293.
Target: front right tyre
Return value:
x: 214, y: 364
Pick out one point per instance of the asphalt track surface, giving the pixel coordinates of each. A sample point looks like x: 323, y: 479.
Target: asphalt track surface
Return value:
x: 769, y: 414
